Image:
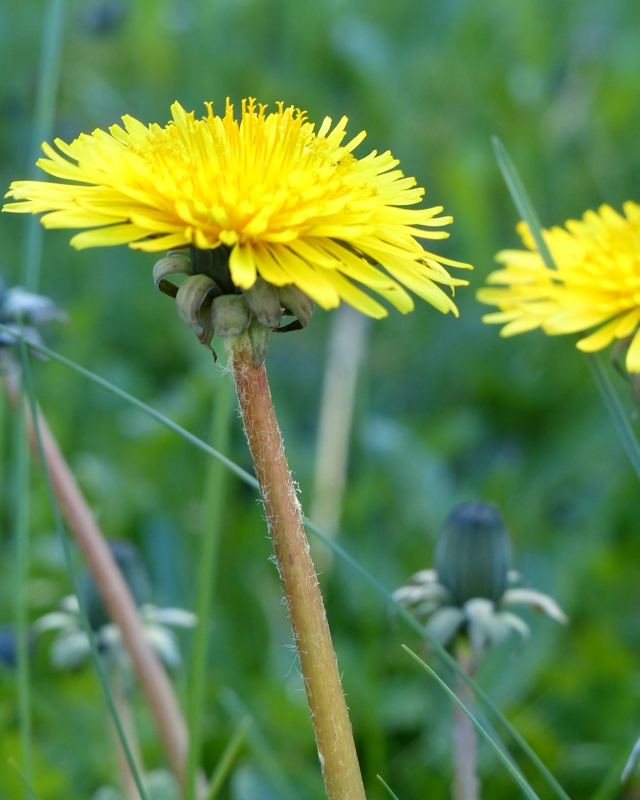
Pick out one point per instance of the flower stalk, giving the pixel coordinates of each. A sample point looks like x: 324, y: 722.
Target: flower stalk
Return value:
x: 334, y: 738
x: 466, y: 785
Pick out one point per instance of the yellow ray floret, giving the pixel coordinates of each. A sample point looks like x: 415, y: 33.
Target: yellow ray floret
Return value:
x: 292, y: 205
x: 597, y: 282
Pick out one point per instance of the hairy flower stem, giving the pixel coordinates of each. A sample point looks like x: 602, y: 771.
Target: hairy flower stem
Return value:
x: 329, y: 713
x: 113, y: 589
x: 466, y: 785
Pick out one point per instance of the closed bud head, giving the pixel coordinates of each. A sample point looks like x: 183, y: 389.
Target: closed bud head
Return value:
x: 473, y: 553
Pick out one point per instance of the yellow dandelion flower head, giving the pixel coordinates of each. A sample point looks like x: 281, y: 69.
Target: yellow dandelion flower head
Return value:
x: 289, y: 204
x: 597, y: 282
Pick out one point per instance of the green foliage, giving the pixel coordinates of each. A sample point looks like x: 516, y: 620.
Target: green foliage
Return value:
x: 446, y: 410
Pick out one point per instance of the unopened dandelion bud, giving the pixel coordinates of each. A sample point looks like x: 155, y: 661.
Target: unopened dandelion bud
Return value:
x: 264, y: 303
x: 230, y: 315
x: 296, y: 302
x: 193, y: 301
x: 473, y: 553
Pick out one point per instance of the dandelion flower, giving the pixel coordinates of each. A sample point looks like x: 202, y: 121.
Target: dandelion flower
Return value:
x: 285, y: 202
x: 597, y: 283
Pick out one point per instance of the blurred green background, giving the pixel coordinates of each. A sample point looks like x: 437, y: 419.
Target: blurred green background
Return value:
x: 445, y: 410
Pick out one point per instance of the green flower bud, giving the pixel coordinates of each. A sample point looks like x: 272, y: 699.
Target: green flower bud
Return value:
x: 264, y: 303
x: 473, y: 553
x: 230, y: 315
x: 133, y: 571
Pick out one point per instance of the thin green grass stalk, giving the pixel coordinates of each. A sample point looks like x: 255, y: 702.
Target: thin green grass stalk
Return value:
x: 227, y: 759
x: 339, y: 551
x: 61, y: 531
x: 515, y: 772
x: 31, y: 792
x: 527, y: 211
x: 48, y: 82
x: 168, y: 423
x: 264, y: 755
x: 614, y: 407
x: 611, y: 786
x: 214, y: 506
x: 21, y: 596
x: 391, y: 793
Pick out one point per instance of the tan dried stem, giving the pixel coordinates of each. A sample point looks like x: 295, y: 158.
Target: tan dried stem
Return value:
x: 115, y: 593
x: 318, y: 663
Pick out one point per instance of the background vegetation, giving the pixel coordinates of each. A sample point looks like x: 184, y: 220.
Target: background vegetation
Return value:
x: 446, y: 411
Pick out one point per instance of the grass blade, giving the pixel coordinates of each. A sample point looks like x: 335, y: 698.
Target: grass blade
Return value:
x: 168, y: 423
x: 223, y: 767
x: 260, y: 747
x: 31, y: 792
x: 339, y: 551
x: 515, y: 772
x: 392, y: 794
x: 522, y: 200
x: 48, y: 81
x: 214, y: 507
x: 21, y: 599
x: 60, y: 529
x: 616, y: 411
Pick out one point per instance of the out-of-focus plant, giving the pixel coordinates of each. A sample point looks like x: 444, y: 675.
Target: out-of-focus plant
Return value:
x: 24, y: 312
x: 70, y: 648
x: 466, y: 600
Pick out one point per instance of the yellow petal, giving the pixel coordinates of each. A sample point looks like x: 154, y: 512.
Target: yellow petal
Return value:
x: 601, y: 338
x: 106, y: 237
x: 354, y: 296
x: 242, y: 264
x: 633, y: 354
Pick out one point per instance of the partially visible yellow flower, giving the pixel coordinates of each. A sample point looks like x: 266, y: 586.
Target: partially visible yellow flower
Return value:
x: 291, y: 205
x: 597, y: 282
